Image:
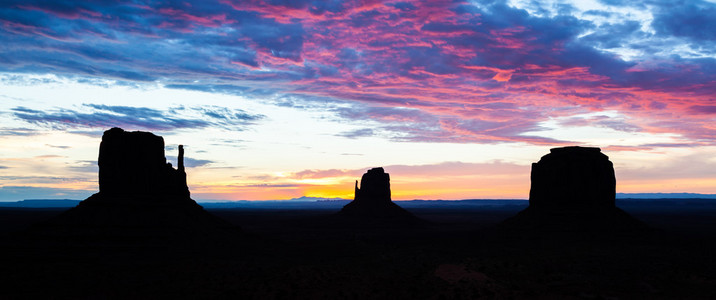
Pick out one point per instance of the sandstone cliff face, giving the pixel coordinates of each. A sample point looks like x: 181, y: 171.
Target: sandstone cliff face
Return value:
x: 372, y: 199
x: 573, y: 178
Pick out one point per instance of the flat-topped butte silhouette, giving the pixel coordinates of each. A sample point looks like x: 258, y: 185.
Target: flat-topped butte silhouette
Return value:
x: 140, y: 193
x: 133, y: 163
x: 573, y: 189
x: 372, y: 199
x: 579, y: 178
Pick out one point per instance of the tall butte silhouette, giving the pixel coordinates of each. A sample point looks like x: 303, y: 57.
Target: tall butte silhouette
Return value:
x: 372, y: 199
x: 139, y: 193
x: 573, y: 189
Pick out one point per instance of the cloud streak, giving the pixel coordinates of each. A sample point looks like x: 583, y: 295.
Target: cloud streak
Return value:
x: 106, y: 116
x: 17, y: 193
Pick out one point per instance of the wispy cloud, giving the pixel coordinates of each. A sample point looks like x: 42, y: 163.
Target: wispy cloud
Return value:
x: 105, y: 116
x: 44, y: 179
x: 58, y: 146
x: 365, y: 132
x: 191, y: 162
x: 16, y: 193
x: 5, y: 131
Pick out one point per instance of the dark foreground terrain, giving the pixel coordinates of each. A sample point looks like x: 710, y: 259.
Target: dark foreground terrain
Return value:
x: 306, y: 253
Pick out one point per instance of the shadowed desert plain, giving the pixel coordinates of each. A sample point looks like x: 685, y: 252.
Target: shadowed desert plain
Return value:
x: 299, y: 253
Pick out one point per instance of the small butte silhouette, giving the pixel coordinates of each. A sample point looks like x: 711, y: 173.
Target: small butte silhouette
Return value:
x: 373, y: 200
x: 139, y: 193
x: 573, y: 189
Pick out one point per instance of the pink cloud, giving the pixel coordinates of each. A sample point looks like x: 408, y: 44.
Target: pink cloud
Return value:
x: 476, y: 74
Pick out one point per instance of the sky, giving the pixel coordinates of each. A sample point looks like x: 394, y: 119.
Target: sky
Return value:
x: 283, y: 99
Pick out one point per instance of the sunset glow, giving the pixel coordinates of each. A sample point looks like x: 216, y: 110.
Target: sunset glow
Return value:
x: 284, y: 99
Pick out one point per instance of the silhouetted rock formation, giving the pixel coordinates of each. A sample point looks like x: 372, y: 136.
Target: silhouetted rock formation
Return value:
x: 573, y: 178
x: 372, y: 199
x: 573, y: 189
x: 140, y: 193
x: 133, y: 163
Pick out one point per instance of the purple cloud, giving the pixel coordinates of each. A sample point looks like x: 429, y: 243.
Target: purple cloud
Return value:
x: 448, y: 71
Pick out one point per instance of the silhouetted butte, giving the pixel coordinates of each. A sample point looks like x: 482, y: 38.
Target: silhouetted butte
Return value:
x: 133, y: 163
x: 373, y: 200
x: 139, y: 193
x: 573, y: 189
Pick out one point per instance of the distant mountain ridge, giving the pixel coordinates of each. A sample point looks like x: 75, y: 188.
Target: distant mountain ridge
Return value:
x: 41, y: 203
x: 59, y: 203
x: 311, y: 199
x: 665, y: 196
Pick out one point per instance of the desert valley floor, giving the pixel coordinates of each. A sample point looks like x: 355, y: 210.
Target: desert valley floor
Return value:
x: 290, y: 253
